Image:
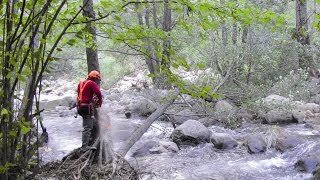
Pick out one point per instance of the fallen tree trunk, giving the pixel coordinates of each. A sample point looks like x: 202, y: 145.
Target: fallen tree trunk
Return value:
x: 142, y: 129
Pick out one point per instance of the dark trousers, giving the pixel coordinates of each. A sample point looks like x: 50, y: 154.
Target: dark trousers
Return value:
x: 88, y: 124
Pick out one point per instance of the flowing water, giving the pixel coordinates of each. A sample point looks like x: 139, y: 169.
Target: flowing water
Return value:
x: 191, y: 163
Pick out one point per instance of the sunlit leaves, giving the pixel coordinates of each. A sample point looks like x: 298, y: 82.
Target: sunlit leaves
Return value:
x: 25, y: 126
x: 4, y: 112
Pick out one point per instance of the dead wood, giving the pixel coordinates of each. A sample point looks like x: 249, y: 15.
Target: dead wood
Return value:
x: 142, y: 129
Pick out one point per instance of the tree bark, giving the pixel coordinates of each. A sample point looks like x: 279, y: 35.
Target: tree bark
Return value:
x: 302, y: 22
x: 235, y: 31
x: 224, y: 29
x: 91, y: 39
x: 162, y: 78
x: 302, y: 34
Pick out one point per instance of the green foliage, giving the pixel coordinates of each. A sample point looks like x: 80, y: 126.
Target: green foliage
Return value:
x: 6, y: 167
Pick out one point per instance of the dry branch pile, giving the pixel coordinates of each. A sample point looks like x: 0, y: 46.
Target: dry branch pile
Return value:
x: 77, y: 165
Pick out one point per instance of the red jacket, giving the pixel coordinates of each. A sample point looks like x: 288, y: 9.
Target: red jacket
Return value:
x: 86, y: 90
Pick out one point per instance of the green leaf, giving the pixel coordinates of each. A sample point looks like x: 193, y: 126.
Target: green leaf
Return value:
x: 207, y: 88
x: 201, y: 65
x: 24, y: 127
x: 59, y: 49
x: 25, y: 130
x: 4, y: 111
x: 151, y: 75
x: 6, y: 167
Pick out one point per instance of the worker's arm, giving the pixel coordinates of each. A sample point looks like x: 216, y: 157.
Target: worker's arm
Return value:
x: 97, y: 91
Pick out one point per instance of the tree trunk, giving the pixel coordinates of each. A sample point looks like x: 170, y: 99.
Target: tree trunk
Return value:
x: 143, y: 128
x: 163, y: 81
x: 224, y: 29
x: 302, y: 22
x: 235, y: 31
x: 302, y: 34
x: 151, y: 60
x: 91, y: 39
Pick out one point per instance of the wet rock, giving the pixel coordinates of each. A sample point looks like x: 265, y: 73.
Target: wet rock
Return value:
x: 169, y: 146
x: 127, y: 114
x: 298, y: 116
x: 308, y: 163
x: 143, y: 149
x: 183, y: 116
x: 223, y: 141
x: 286, y: 142
x: 316, y: 174
x: 256, y: 144
x: 191, y: 133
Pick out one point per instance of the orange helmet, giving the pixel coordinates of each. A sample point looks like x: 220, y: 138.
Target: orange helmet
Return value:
x: 94, y: 74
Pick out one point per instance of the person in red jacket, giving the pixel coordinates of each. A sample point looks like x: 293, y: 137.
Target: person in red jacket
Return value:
x: 89, y: 98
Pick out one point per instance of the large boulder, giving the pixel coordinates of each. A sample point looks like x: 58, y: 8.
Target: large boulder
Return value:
x: 62, y: 101
x: 225, y: 112
x: 138, y: 104
x: 183, y: 116
x: 274, y: 101
x: 277, y: 116
x: 223, y: 141
x: 256, y: 144
x: 191, y: 132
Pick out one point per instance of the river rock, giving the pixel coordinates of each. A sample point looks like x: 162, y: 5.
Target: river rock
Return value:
x: 313, y: 107
x: 299, y: 116
x: 183, y: 116
x: 256, y: 144
x: 144, y: 148
x: 191, y: 132
x: 225, y: 112
x: 223, y: 141
x: 154, y: 147
x: 138, y: 104
x: 308, y: 163
x: 209, y: 121
x: 274, y: 101
x: 286, y: 142
x: 276, y: 116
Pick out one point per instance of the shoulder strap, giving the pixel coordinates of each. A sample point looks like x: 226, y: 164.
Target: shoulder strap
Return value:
x: 81, y: 88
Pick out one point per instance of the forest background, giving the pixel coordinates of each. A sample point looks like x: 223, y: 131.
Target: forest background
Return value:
x: 247, y: 49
